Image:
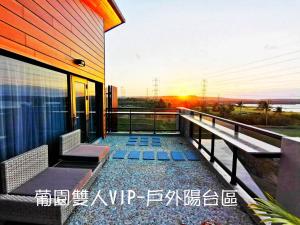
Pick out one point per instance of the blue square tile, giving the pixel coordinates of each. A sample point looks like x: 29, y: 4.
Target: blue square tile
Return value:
x: 177, y: 156
x: 163, y: 156
x: 148, y: 155
x: 131, y: 143
x: 156, y: 144
x: 192, y: 155
x: 155, y: 139
x: 131, y: 140
x: 119, y: 154
x: 143, y: 144
x: 133, y: 137
x: 134, y: 155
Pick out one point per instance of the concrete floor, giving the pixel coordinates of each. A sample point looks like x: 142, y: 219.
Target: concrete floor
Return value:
x: 166, y: 177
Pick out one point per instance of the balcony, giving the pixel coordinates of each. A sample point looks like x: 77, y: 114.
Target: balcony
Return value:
x: 226, y: 155
x: 142, y: 175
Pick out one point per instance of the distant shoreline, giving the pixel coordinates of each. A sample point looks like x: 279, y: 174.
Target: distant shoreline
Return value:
x: 279, y: 101
x: 285, y: 107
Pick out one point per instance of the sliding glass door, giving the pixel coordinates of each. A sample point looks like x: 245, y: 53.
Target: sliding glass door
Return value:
x: 79, y: 105
x: 84, y: 108
x: 33, y: 107
x: 92, y: 126
x: 35, y: 110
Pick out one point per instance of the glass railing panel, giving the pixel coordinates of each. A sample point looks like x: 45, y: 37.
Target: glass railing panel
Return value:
x: 142, y: 122
x: 123, y: 122
x: 166, y: 122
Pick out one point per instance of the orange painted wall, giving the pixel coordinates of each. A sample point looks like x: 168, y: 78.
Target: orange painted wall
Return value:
x: 54, y: 32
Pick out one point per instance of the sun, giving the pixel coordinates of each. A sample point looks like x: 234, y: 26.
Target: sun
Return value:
x: 182, y: 97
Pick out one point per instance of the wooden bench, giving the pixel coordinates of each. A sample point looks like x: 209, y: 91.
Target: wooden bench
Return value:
x: 241, y: 141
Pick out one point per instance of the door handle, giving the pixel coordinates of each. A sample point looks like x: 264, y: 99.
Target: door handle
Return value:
x: 75, y: 117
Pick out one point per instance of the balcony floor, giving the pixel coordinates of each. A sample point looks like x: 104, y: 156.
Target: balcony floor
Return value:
x: 143, y: 175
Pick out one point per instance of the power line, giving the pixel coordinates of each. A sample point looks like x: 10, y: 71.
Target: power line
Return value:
x: 260, y: 66
x: 255, y: 61
x: 265, y: 72
x: 203, y: 91
x: 258, y: 87
x: 243, y: 79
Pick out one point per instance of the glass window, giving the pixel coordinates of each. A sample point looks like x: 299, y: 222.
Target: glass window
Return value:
x: 33, y: 106
x: 92, y: 132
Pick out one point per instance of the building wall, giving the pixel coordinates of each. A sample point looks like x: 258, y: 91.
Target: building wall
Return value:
x: 54, y: 32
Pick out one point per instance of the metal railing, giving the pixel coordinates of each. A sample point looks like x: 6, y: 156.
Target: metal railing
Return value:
x: 136, y: 119
x: 236, y: 130
x: 237, y: 125
x: 142, y: 120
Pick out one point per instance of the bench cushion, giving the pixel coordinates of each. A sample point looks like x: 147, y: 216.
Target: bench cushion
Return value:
x: 55, y: 178
x: 86, y: 152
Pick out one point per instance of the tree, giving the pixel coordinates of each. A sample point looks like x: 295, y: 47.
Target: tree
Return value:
x: 225, y: 110
x: 204, y: 109
x: 240, y: 104
x: 160, y: 103
x: 278, y: 109
x: 264, y: 105
x: 216, y: 107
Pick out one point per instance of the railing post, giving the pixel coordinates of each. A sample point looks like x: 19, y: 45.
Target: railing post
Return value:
x: 213, y: 122
x: 234, y: 166
x: 110, y: 120
x: 236, y: 130
x: 191, y: 131
x: 200, y: 117
x: 154, y: 122
x: 288, y: 176
x: 106, y: 121
x: 212, y: 151
x: 200, y: 136
x: 179, y: 122
x: 130, y: 120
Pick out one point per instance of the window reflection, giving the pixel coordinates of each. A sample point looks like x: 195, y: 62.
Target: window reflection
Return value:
x: 33, y: 106
x: 92, y: 110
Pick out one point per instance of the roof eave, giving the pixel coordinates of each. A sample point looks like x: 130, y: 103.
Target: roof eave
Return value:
x: 102, y: 11
x: 118, y: 12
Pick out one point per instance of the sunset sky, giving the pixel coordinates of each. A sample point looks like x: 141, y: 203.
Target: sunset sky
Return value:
x: 247, y: 49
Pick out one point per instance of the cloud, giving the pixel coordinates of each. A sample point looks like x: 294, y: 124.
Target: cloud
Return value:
x: 270, y: 47
x: 137, y: 56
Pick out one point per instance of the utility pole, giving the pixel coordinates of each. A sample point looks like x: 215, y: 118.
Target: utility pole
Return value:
x: 155, y: 87
x: 203, y: 91
x: 123, y: 93
x: 267, y: 110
